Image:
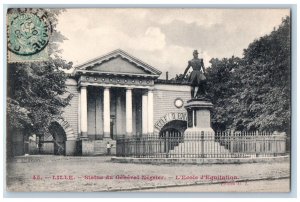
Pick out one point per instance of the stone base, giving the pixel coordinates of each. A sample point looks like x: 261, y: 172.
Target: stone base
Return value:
x: 199, y: 137
x: 71, y: 147
x: 199, y: 160
x: 84, y: 135
x: 207, y: 149
x: 97, y: 147
x: 194, y: 146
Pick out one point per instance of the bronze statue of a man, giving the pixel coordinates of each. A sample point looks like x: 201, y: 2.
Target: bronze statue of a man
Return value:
x: 197, y: 78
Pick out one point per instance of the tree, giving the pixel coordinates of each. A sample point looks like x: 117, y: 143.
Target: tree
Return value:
x: 36, y: 90
x: 222, y: 83
x: 253, y: 92
x: 264, y: 95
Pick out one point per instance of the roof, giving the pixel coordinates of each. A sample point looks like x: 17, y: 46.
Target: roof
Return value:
x: 89, y: 65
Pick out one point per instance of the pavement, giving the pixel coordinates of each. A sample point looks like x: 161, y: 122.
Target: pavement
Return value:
x: 47, y: 173
x: 279, y: 185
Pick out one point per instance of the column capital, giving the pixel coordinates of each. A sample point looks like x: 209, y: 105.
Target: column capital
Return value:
x: 79, y: 87
x: 106, y: 87
x: 129, y: 88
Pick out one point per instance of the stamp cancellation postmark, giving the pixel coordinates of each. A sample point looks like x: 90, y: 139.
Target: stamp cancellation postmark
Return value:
x: 28, y: 35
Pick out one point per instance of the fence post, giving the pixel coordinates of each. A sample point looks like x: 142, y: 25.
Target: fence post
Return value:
x: 167, y: 144
x: 202, y: 144
x: 256, y: 143
x: 274, y: 145
x: 231, y: 141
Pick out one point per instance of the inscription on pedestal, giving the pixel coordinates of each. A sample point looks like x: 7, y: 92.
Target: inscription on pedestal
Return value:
x: 203, y: 118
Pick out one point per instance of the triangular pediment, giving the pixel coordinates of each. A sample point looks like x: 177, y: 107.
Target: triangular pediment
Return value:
x: 119, y: 65
x: 119, y: 62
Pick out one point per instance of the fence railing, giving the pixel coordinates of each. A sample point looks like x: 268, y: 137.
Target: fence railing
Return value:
x: 220, y: 145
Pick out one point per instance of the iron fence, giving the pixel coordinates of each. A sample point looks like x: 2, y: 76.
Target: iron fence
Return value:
x: 220, y: 145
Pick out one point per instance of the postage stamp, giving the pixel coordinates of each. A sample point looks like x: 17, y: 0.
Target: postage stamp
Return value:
x: 28, y: 34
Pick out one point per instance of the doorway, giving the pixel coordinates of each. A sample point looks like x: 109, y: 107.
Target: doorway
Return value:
x: 58, y: 138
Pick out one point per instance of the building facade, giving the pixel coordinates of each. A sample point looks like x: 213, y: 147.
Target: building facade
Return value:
x: 115, y: 96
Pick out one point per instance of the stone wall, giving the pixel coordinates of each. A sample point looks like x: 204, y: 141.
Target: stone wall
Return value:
x: 71, y: 111
x: 165, y: 96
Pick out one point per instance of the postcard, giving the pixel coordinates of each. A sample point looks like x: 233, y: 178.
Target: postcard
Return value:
x: 148, y: 99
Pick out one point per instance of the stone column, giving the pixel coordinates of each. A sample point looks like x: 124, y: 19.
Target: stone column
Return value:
x: 145, y: 113
x: 79, y: 114
x: 150, y: 111
x: 106, y: 112
x: 128, y: 112
x: 83, y: 111
x: 194, y: 112
x: 119, y: 115
x: 99, y: 113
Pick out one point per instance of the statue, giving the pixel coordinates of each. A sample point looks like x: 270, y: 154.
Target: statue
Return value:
x: 197, y: 78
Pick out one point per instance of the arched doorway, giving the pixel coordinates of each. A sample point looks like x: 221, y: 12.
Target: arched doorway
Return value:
x: 58, y: 138
x: 172, y: 133
x: 53, y: 141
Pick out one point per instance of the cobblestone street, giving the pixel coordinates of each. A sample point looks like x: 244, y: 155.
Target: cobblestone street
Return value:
x: 93, y: 174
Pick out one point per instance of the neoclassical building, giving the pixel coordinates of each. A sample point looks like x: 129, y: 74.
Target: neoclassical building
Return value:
x: 116, y: 95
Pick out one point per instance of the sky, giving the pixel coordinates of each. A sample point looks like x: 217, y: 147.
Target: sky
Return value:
x: 164, y: 38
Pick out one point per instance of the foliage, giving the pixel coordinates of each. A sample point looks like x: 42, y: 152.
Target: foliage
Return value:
x: 265, y: 76
x: 35, y: 89
x: 222, y: 82
x: 253, y: 93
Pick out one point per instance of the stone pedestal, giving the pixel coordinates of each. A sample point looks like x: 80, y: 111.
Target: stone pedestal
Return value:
x: 199, y: 119
x: 199, y: 137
